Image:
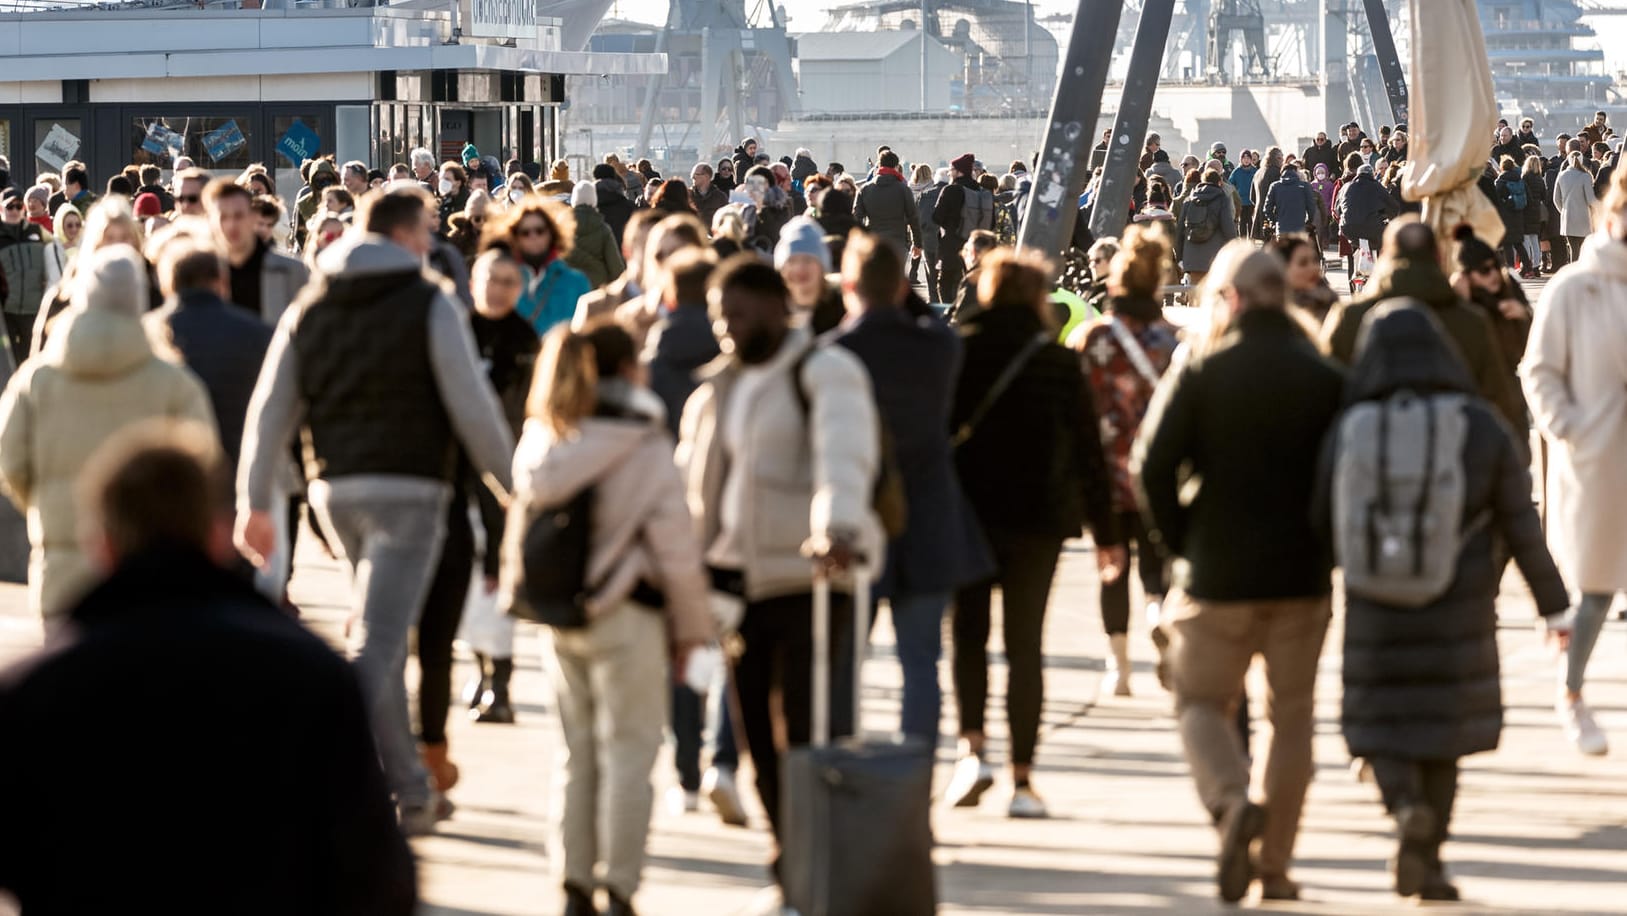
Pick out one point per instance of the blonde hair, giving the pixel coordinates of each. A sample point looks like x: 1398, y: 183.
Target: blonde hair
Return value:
x: 565, y: 386
x: 1141, y: 263
x: 1013, y: 278
x: 1257, y: 276
x: 727, y: 223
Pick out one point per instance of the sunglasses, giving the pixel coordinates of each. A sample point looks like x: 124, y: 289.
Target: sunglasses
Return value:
x: 188, y: 198
x: 14, y: 206
x: 532, y: 231
x: 1486, y: 269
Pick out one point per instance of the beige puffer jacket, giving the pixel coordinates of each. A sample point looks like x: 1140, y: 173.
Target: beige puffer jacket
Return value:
x: 97, y: 375
x: 642, y: 530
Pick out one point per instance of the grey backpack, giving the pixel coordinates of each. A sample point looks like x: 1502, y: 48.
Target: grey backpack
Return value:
x: 1398, y: 496
x: 976, y: 210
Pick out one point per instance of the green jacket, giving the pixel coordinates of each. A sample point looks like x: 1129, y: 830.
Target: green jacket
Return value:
x: 595, y: 252
x: 1468, y: 327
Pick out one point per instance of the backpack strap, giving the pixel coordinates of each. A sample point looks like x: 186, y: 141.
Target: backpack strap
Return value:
x: 1006, y: 377
x: 1430, y: 432
x: 1133, y: 350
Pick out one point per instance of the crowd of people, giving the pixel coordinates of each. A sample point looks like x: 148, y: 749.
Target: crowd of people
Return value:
x: 719, y: 386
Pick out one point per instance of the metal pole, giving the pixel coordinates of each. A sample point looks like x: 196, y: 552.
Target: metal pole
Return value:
x: 923, y: 55
x: 1064, y: 163
x: 1337, y: 87
x: 1130, y: 129
x: 1389, y: 61
x: 1028, y: 56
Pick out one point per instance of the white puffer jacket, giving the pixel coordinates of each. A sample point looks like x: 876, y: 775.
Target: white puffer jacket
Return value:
x: 812, y: 472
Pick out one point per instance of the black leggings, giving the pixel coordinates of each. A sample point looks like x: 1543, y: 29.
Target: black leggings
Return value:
x: 1026, y: 563
x: 1411, y: 782
x: 1149, y: 566
x: 438, y: 624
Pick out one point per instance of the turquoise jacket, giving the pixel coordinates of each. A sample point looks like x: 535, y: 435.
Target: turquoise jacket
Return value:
x: 550, y: 297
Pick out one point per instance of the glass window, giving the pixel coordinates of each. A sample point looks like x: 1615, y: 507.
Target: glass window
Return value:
x: 213, y: 143
x: 290, y: 132
x: 56, y: 141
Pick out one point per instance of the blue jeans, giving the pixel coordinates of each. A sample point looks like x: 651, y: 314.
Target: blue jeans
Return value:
x: 391, y: 529
x: 918, y: 625
x: 691, y: 712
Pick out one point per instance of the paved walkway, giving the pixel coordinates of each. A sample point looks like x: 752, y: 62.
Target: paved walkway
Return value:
x: 1540, y: 828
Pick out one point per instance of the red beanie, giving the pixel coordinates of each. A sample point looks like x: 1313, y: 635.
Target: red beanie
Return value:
x: 963, y: 163
x: 148, y: 205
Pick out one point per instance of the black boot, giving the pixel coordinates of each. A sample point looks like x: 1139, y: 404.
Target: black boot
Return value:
x: 1436, y: 887
x: 477, y: 685
x: 620, y: 907
x: 1415, y: 826
x: 494, y: 703
x: 579, y: 902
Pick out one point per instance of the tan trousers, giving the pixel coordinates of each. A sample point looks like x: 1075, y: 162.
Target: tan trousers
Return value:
x: 1211, y: 647
x: 611, y: 681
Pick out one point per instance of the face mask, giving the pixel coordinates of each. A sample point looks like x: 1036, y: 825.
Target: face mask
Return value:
x: 446, y: 186
x: 516, y: 195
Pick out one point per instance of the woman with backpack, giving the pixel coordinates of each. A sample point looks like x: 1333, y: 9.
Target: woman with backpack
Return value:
x: 1511, y: 204
x: 591, y: 425
x: 1030, y: 459
x: 1123, y: 356
x: 1421, y: 688
x: 1205, y: 225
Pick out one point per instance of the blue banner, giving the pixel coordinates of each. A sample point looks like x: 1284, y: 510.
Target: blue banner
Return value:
x: 162, y: 141
x: 224, y: 141
x: 299, y: 144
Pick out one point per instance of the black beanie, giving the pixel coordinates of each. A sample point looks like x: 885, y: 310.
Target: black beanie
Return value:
x: 1472, y: 252
x: 604, y: 170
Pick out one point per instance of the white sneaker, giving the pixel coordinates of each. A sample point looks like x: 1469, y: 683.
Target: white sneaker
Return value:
x: 972, y: 778
x: 1580, y: 729
x: 1025, y: 805
x: 718, y: 784
x: 680, y: 802
x: 1117, y: 681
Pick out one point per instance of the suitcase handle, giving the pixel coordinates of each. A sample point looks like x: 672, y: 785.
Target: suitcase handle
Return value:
x: 820, y: 731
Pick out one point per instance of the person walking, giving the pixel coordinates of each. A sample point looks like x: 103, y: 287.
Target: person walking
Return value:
x: 28, y: 267
x: 913, y: 359
x: 540, y: 233
x: 1421, y: 682
x: 98, y: 374
x: 1269, y: 174
x: 1206, y: 223
x: 1124, y: 354
x: 949, y: 214
x: 374, y: 330
x: 1574, y: 198
x: 887, y: 207
x: 262, y: 281
x: 168, y: 618
x: 590, y: 424
x: 1365, y: 209
x: 769, y: 480
x: 1533, y: 225
x: 1244, y: 413
x: 1577, y: 390
x: 1030, y: 459
x: 1291, y: 204
x: 594, y: 251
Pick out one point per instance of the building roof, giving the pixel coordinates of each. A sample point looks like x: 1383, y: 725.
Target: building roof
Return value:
x: 853, y: 45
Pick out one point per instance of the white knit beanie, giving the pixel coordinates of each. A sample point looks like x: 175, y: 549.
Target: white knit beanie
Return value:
x: 584, y: 193
x: 111, y: 279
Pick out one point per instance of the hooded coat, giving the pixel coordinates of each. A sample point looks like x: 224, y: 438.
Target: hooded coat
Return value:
x: 1365, y: 208
x: 614, y: 205
x: 1574, y: 200
x: 1423, y: 683
x: 1291, y: 203
x: 1196, y: 257
x: 1575, y: 379
x: 596, y: 254
x: 96, y: 375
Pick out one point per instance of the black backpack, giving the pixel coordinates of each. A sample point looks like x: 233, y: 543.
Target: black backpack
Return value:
x: 554, y: 555
x: 1202, y: 219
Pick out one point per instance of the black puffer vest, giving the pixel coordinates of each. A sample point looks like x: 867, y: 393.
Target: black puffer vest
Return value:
x: 372, y: 404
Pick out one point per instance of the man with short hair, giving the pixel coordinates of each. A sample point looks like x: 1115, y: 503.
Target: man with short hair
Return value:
x: 377, y: 370
x: 26, y: 271
x: 223, y: 345
x: 887, y: 208
x: 1353, y: 136
x: 189, y: 187
x: 354, y: 176
x: 1321, y: 152
x: 280, y: 793
x: 1506, y: 145
x: 152, y: 182
x: 707, y: 197
x: 781, y: 409
x: 262, y: 281
x: 76, y: 189
x: 1255, y: 579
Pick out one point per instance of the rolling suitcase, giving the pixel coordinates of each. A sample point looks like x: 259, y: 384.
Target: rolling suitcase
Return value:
x: 856, y: 815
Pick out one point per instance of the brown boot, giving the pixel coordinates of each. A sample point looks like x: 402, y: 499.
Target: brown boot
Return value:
x: 443, y: 773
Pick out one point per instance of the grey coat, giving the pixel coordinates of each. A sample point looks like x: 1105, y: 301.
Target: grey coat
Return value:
x: 887, y: 208
x: 1195, y: 257
x: 1574, y: 199
x: 1423, y: 683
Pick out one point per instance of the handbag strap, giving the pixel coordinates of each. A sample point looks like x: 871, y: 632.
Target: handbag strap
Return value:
x: 1007, y: 376
x: 1133, y: 350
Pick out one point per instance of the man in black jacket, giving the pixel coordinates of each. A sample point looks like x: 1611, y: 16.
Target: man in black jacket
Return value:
x: 1321, y: 152
x: 952, y: 236
x: 1246, y: 417
x: 278, y: 799
x: 887, y: 208
x: 221, y: 343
